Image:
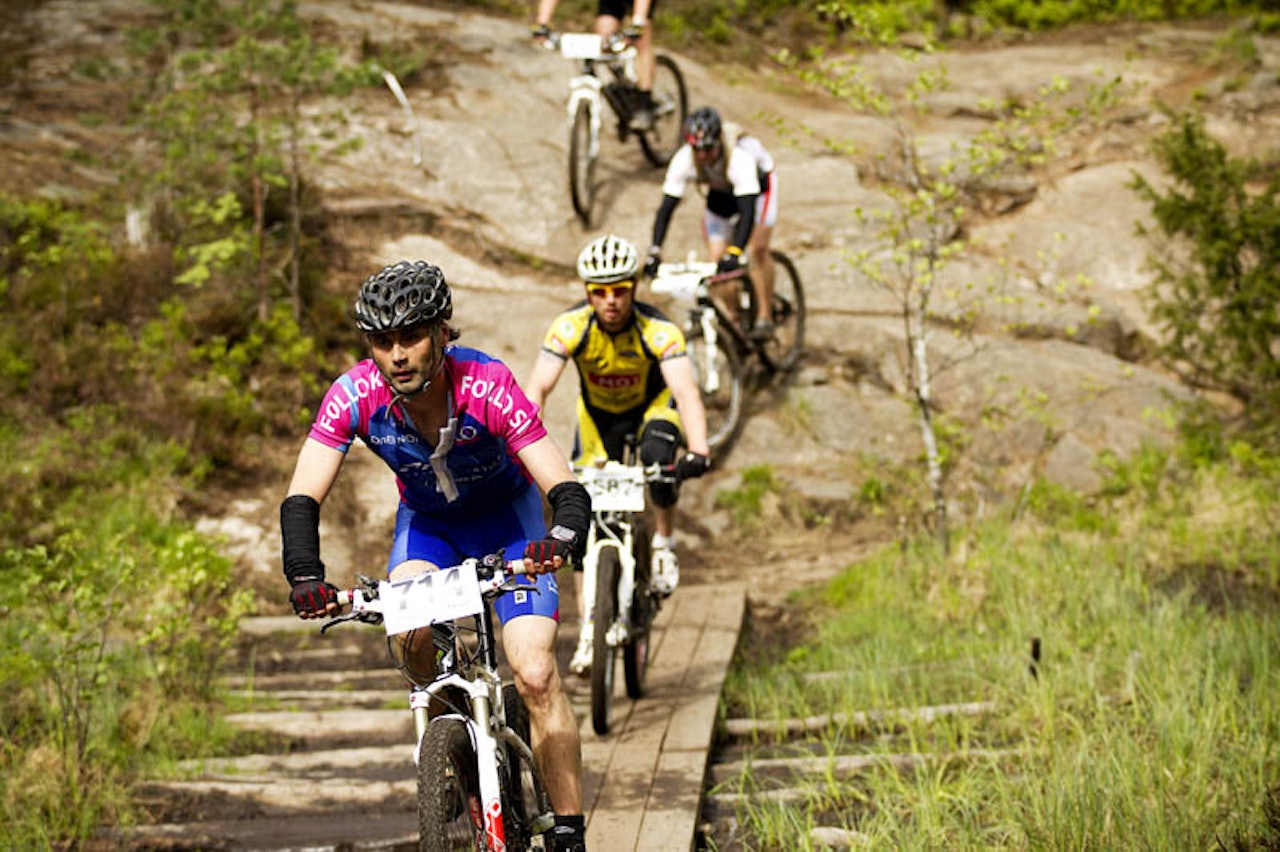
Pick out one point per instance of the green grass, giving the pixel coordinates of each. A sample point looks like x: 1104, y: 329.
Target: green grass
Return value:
x: 1155, y: 719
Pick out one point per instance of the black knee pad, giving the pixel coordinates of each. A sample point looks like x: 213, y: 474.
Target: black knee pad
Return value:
x: 658, y: 444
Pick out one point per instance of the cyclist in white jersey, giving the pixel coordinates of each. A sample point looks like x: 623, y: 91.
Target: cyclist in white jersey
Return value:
x: 742, y: 202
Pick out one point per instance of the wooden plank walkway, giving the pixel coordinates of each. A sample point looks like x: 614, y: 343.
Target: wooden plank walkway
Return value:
x: 642, y: 783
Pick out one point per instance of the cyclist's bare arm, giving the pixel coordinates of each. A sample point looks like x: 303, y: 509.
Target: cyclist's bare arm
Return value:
x: 546, y: 372
x: 549, y: 467
x: 316, y: 470
x: 678, y: 374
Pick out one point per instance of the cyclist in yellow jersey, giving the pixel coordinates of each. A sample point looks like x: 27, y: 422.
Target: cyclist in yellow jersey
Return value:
x: 635, y: 377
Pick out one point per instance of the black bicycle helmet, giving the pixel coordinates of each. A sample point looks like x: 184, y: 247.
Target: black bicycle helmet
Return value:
x: 608, y: 260
x: 403, y: 294
x: 702, y: 129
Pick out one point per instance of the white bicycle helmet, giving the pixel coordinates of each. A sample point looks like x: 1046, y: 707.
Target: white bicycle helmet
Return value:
x: 608, y: 260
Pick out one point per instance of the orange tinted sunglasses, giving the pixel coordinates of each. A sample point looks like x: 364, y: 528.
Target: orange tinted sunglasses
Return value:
x: 602, y: 290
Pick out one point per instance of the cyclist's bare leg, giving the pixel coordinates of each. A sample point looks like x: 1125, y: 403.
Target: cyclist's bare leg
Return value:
x: 664, y: 520
x: 607, y: 25
x: 762, y: 269
x: 529, y: 644
x: 722, y: 293
x: 415, y: 651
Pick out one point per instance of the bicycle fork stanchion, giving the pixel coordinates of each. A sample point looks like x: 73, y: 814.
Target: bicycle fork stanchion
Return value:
x: 586, y: 88
x: 710, y: 330
x: 601, y: 536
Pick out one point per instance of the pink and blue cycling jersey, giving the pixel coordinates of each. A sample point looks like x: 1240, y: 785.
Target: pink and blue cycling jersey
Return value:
x: 494, y: 421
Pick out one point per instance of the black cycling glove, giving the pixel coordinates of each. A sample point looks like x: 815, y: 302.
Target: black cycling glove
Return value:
x: 652, y: 262
x: 692, y: 465
x: 730, y: 261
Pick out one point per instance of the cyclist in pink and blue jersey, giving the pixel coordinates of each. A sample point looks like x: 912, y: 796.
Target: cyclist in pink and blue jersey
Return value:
x: 471, y: 459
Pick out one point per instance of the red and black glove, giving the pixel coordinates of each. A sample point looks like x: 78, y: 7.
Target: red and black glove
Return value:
x: 311, y: 596
x: 547, y: 549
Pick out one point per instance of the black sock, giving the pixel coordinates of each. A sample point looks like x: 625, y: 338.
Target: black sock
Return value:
x: 575, y: 823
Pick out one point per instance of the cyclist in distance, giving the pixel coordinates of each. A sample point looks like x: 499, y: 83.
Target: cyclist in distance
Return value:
x: 635, y: 377
x: 470, y: 454
x: 639, y: 32
x: 742, y: 202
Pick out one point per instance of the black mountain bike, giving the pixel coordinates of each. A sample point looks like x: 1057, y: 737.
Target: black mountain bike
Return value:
x: 722, y: 314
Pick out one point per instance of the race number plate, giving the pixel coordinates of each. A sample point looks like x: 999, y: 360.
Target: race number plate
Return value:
x: 430, y: 598
x: 614, y: 487
x: 580, y: 46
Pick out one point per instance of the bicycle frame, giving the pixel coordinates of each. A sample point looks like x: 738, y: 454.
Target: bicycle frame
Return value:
x: 692, y: 282
x: 591, y: 49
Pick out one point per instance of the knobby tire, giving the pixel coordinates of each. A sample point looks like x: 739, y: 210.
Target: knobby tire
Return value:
x: 449, y: 810
x: 521, y: 781
x: 582, y: 164
x: 784, y: 349
x: 724, y: 404
x: 672, y: 98
x: 644, y: 608
x: 602, y: 661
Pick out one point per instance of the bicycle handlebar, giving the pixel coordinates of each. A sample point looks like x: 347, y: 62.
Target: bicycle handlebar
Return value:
x: 494, y: 571
x: 689, y: 281
x: 586, y: 45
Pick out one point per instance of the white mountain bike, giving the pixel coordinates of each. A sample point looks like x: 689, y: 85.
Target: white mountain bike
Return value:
x: 620, y: 604
x: 479, y: 787
x: 585, y: 113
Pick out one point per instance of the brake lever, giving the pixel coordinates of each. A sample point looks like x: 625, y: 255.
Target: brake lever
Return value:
x: 342, y: 619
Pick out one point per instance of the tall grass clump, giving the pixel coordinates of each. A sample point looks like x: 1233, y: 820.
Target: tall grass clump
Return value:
x: 1153, y: 717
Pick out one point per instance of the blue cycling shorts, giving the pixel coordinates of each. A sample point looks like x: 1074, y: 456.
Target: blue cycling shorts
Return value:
x: 446, y: 541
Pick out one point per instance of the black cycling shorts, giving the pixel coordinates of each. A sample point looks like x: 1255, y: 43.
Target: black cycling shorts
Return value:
x: 621, y: 8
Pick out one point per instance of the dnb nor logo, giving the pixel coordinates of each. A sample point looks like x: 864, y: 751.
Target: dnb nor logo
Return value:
x: 614, y: 382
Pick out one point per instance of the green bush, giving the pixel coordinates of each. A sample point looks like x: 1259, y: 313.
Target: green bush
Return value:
x: 116, y: 618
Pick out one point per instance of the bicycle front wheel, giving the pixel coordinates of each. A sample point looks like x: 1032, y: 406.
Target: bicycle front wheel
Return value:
x: 582, y: 164
x: 671, y: 107
x: 718, y: 370
x: 783, y: 349
x: 603, y: 654
x: 449, y: 812
x: 644, y: 607
x: 530, y: 806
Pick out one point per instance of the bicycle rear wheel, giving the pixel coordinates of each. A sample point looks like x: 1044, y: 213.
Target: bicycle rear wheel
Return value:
x: 602, y: 662
x: 671, y: 107
x: 522, y: 783
x: 782, y: 351
x: 644, y: 607
x: 449, y: 810
x: 582, y: 164
x: 719, y: 371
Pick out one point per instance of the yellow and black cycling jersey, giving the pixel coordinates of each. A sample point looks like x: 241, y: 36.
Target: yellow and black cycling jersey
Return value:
x: 620, y: 372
